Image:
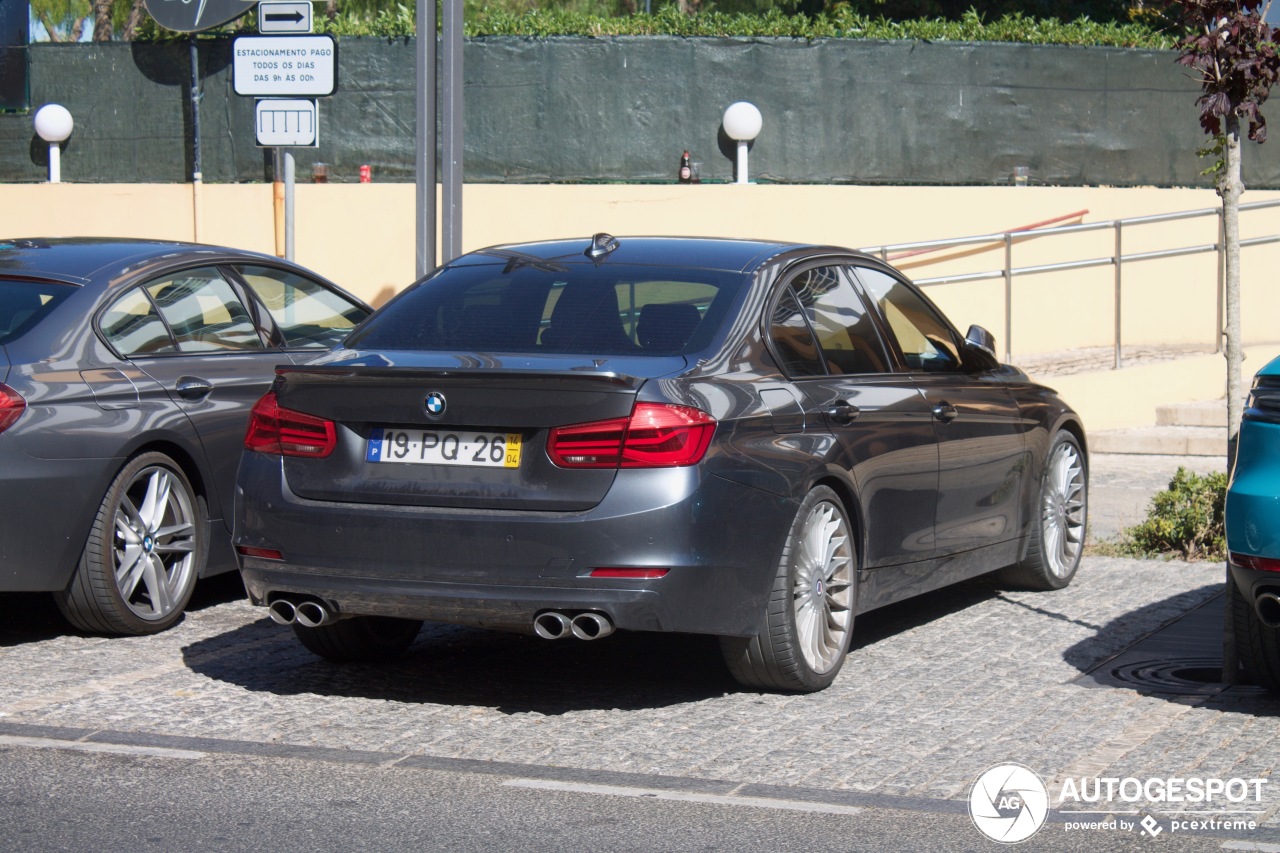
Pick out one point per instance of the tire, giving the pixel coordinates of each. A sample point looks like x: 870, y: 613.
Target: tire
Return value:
x: 1257, y: 646
x: 148, y: 544
x: 809, y: 617
x: 1057, y: 537
x: 360, y: 638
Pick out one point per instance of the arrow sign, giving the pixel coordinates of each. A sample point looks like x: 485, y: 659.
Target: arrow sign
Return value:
x: 288, y: 16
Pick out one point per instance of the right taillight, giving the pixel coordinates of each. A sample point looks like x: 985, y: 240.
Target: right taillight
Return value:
x: 11, y: 406
x: 656, y: 435
x: 286, y: 432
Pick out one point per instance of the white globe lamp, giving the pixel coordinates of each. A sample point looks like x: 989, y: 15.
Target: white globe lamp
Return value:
x: 742, y: 122
x: 54, y: 125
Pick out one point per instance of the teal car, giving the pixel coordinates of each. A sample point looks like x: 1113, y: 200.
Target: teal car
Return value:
x: 1253, y: 531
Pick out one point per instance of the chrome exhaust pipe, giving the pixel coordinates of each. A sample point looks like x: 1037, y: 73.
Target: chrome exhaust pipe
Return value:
x: 282, y: 611
x: 313, y: 614
x: 550, y: 625
x: 1267, y: 607
x: 591, y: 626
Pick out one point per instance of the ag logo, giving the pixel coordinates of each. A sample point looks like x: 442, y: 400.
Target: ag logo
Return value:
x: 1008, y: 803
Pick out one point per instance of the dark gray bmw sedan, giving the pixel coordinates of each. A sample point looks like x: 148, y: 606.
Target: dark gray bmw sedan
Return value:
x: 748, y: 439
x: 127, y: 371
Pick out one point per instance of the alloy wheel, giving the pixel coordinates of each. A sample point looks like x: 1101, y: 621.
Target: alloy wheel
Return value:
x: 154, y: 544
x: 823, y: 592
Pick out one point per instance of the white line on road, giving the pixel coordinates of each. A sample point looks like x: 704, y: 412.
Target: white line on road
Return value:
x: 88, y: 746
x: 682, y: 796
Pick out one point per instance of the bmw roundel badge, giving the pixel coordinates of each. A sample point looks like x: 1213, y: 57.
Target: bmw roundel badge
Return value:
x: 434, y: 404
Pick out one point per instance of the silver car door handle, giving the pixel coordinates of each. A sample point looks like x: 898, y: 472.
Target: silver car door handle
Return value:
x: 843, y: 413
x: 945, y: 412
x: 193, y: 387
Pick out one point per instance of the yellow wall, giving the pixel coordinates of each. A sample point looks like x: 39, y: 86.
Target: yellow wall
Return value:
x: 362, y: 236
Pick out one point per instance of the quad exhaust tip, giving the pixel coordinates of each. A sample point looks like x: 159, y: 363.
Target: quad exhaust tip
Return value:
x: 554, y: 625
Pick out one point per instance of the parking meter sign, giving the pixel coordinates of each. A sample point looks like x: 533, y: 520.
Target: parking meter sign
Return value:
x: 287, y: 123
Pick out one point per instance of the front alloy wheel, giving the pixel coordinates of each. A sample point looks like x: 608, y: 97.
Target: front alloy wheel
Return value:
x: 144, y: 552
x: 1056, y: 541
x: 809, y: 619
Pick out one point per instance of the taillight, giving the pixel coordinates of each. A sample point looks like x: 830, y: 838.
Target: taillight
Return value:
x: 11, y: 406
x: 655, y: 436
x: 289, y: 433
x: 1249, y: 561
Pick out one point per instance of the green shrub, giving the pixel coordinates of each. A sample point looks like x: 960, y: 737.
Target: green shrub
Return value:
x: 1186, y: 519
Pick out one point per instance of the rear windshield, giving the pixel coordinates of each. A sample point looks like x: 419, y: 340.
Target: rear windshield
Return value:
x: 577, y: 309
x: 24, y: 303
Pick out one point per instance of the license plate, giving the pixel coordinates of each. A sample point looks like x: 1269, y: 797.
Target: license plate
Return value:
x: 444, y: 447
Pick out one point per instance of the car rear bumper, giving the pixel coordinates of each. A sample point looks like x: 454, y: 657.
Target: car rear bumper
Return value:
x: 720, y: 542
x: 46, y: 509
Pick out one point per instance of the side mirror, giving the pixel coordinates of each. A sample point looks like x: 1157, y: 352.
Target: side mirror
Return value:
x: 980, y: 349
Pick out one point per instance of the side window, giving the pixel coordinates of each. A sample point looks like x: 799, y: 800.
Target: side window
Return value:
x: 925, y: 338
x: 846, y: 333
x: 308, y: 313
x: 204, y: 312
x: 793, y: 339
x: 133, y: 326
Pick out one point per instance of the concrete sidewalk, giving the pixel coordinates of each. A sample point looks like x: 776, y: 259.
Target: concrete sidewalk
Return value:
x: 1121, y: 487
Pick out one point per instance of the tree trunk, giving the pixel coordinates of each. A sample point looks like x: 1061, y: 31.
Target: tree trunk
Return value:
x: 1231, y: 188
x: 134, y: 21
x: 102, y: 29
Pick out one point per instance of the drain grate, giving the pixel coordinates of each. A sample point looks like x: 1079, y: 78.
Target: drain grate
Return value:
x: 1186, y: 677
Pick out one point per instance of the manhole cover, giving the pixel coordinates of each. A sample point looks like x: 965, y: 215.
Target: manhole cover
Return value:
x: 1190, y: 677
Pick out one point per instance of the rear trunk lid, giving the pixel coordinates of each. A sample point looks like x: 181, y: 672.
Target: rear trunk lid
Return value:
x: 460, y: 431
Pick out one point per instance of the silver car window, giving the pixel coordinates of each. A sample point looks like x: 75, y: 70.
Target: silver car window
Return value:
x: 133, y: 326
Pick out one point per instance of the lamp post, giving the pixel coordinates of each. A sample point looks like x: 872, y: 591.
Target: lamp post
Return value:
x: 53, y: 125
x: 742, y: 122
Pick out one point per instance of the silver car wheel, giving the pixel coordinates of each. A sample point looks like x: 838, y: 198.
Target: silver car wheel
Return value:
x: 822, y: 596
x: 1062, y: 510
x: 153, y: 551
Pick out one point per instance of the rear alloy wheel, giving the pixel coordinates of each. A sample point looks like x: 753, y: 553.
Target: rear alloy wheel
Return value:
x: 360, y: 638
x: 1257, y: 645
x: 809, y: 617
x: 1057, y: 537
x: 147, y: 546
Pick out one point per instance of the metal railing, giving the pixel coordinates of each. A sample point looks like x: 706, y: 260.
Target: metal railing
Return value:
x: 1118, y: 260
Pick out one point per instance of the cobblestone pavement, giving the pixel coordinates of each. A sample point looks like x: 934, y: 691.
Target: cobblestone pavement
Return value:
x: 936, y: 691
x: 1121, y: 486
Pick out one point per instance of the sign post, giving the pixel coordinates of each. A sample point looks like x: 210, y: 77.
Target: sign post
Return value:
x: 286, y: 73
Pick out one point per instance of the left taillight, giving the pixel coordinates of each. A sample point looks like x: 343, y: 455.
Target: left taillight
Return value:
x: 11, y: 406
x: 286, y: 432
x: 656, y: 435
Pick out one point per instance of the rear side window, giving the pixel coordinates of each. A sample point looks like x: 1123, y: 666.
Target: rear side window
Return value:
x: 24, y: 303
x: 308, y: 313
x: 203, y: 312
x: 133, y: 326
x: 821, y: 326
x: 574, y: 309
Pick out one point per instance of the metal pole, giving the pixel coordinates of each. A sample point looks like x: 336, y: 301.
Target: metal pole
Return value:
x: 1119, y: 257
x: 288, y: 204
x: 1008, y: 297
x: 197, y: 175
x: 425, y: 155
x: 451, y: 95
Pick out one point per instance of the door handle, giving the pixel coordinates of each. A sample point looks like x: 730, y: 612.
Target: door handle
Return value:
x: 193, y: 387
x: 843, y: 412
x: 945, y: 412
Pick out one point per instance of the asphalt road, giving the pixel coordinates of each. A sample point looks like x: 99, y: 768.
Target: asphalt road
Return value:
x: 69, y: 799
